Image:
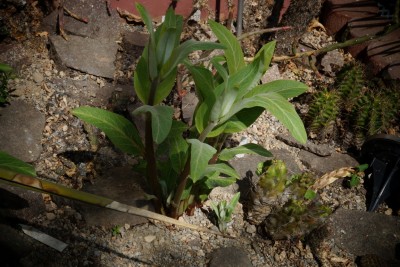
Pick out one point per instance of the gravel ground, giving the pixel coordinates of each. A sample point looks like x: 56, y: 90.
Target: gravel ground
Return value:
x: 55, y: 92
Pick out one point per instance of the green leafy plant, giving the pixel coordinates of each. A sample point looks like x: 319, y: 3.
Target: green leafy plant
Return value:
x: 357, y: 176
x: 182, y: 171
x: 223, y: 211
x: 5, y: 76
x: 116, y: 230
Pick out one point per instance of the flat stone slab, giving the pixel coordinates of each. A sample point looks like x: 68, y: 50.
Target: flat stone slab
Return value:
x: 364, y: 233
x: 230, y: 257
x: 92, y: 46
x: 120, y: 184
x: 320, y: 150
x: 101, y: 25
x: 92, y: 56
x: 322, y: 165
x: 21, y: 130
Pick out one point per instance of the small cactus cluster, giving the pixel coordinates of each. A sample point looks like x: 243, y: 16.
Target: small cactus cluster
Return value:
x: 281, y: 206
x: 354, y: 105
x: 268, y: 192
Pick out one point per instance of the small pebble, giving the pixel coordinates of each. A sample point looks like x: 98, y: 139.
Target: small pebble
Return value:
x: 50, y: 216
x: 251, y: 229
x: 47, y: 73
x: 149, y: 238
x: 37, y: 77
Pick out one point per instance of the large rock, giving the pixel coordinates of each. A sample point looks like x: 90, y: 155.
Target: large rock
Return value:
x: 359, y: 233
x: 91, y: 47
x: 92, y: 56
x: 322, y: 165
x: 230, y: 257
x: 100, y: 25
x: 21, y: 130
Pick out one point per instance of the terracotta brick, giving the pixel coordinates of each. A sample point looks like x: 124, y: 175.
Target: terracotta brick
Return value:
x: 157, y: 8
x: 359, y: 28
x: 384, y: 53
x: 337, y: 13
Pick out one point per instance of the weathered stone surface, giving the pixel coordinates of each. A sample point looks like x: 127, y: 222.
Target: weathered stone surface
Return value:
x: 362, y: 233
x: 322, y: 165
x: 271, y: 74
x: 230, y: 257
x: 100, y: 25
x: 120, y: 184
x: 21, y: 130
x: 320, y: 150
x: 246, y: 164
x: 92, y: 56
x: 91, y: 47
x: 20, y: 203
x: 136, y: 38
x: 332, y: 61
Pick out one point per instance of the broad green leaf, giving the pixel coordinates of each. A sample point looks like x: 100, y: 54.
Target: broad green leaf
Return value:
x: 183, y: 50
x: 222, y: 168
x: 245, y: 79
x: 150, y: 51
x: 229, y: 153
x: 217, y: 181
x: 203, y: 79
x: 13, y: 164
x: 200, y: 154
x: 268, y: 51
x: 168, y: 178
x: 122, y: 133
x: 152, y: 60
x: 282, y: 110
x: 228, y: 98
x: 165, y: 87
x: 238, y: 122
x: 202, y: 115
x: 286, y: 88
x: 233, y: 53
x: 141, y: 80
x: 178, y: 147
x: 146, y: 17
x: 161, y: 120
x: 165, y: 46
